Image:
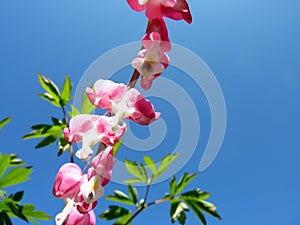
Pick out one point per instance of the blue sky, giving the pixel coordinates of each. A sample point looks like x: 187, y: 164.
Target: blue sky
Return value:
x: 251, y: 46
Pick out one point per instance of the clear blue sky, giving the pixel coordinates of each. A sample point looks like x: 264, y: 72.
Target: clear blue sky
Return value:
x: 251, y: 46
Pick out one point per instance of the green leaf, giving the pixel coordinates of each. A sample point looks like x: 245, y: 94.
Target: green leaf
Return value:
x: 196, y: 195
x: 117, y: 146
x: 50, y: 87
x: 17, y: 210
x: 196, y: 211
x: 15, y: 176
x: 150, y: 163
x: 133, y: 194
x: 32, y: 215
x: 121, y: 197
x: 164, y: 164
x: 2, y: 194
x: 123, y: 220
x: 48, y: 97
x: 184, y: 181
x: 4, y: 219
x: 4, y: 163
x: 138, y: 171
x: 63, y: 145
x: 14, y: 161
x: 133, y: 181
x: 47, y: 141
x: 173, y: 186
x: 114, y: 212
x: 4, y: 122
x: 177, y: 209
x: 44, y: 130
x: 86, y: 106
x: 182, y: 218
x: 74, y: 111
x: 66, y: 91
x: 17, y: 197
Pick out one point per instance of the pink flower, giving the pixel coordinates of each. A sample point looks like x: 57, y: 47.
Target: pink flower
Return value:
x: 71, y: 216
x: 91, y: 188
x: 92, y: 129
x: 152, y: 60
x: 124, y: 103
x: 173, y: 9
x: 76, y: 218
x: 103, y: 164
x: 67, y: 181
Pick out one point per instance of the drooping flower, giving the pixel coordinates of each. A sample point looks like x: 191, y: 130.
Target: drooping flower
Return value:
x: 173, y: 9
x: 152, y: 60
x: 67, y: 181
x: 92, y: 129
x: 77, y: 218
x: 103, y: 164
x: 125, y: 103
x: 91, y: 188
x: 71, y: 216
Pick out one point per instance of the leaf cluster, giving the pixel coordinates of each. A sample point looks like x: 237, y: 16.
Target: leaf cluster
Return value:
x: 12, y: 173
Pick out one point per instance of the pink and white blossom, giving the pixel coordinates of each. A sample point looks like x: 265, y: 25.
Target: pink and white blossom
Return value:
x: 124, y: 103
x: 152, y: 60
x: 173, y: 9
x: 92, y: 129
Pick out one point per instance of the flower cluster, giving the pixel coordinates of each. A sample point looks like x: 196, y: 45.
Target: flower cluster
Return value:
x: 152, y: 60
x: 81, y: 191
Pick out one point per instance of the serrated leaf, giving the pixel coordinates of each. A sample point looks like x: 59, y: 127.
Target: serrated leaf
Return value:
x: 4, y: 163
x: 114, y: 212
x: 4, y: 122
x: 66, y: 91
x: 15, y: 176
x: 121, y: 197
x: 150, y: 163
x: 17, y: 197
x: 50, y: 87
x: 74, y: 111
x: 183, y: 182
x: 133, y: 194
x: 123, y: 220
x: 164, y: 164
x: 86, y: 106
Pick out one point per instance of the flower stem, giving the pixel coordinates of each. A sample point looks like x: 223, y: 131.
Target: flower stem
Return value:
x: 135, y: 76
x: 67, y: 123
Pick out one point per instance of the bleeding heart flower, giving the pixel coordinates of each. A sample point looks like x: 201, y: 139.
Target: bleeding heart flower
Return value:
x: 103, y: 164
x: 173, y: 9
x: 92, y: 129
x: 127, y: 103
x: 67, y: 181
x: 151, y: 61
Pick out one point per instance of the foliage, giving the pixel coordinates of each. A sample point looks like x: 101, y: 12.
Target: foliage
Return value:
x: 180, y: 203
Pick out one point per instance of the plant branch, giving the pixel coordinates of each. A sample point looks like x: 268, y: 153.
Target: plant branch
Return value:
x: 67, y: 123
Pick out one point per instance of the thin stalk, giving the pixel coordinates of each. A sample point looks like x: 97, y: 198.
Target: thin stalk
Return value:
x: 67, y: 122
